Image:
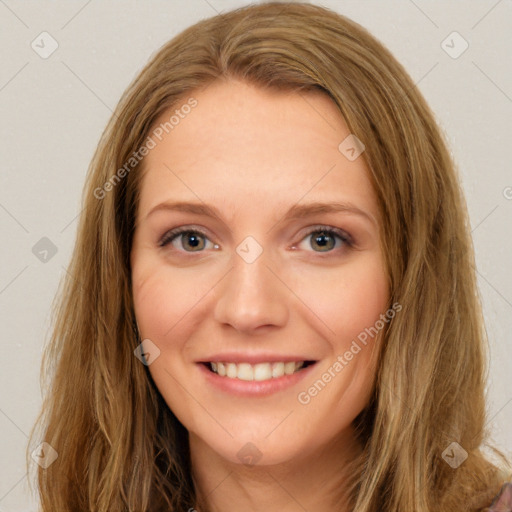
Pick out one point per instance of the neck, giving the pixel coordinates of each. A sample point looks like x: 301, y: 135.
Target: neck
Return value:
x: 313, y: 482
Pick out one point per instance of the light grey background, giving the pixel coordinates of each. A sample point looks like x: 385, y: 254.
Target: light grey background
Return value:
x: 53, y: 111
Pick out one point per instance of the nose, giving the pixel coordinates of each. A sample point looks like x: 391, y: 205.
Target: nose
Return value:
x: 252, y: 296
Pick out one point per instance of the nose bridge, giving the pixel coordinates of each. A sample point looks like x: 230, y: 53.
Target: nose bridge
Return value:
x: 250, y: 295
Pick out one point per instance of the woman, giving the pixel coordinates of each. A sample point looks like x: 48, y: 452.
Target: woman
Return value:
x: 272, y: 301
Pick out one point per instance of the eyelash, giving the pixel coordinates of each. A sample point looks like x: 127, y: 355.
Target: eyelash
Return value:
x: 171, y: 235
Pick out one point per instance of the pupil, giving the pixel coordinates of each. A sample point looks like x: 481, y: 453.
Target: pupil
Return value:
x: 323, y: 239
x: 193, y: 240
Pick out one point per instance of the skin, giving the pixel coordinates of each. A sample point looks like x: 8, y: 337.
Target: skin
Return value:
x: 254, y: 154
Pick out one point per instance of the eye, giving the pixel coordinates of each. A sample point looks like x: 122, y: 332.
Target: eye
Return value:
x: 190, y: 240
x: 325, y: 239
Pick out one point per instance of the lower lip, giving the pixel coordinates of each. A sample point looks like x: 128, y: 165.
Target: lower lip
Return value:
x: 254, y: 388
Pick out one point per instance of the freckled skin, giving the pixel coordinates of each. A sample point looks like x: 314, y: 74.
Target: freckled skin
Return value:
x: 253, y: 155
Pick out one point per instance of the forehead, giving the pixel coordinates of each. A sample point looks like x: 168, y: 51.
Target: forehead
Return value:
x: 243, y: 144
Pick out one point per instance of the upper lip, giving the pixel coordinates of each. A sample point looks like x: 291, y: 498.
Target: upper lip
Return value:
x: 232, y: 357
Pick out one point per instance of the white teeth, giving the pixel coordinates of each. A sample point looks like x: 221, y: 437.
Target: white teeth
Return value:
x: 231, y: 370
x: 245, y: 371
x: 277, y: 369
x: 260, y: 371
x: 289, y: 368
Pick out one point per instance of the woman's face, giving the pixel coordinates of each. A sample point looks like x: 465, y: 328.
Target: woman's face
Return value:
x: 279, y: 264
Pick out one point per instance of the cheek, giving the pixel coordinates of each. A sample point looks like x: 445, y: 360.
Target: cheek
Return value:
x: 153, y: 309
x: 351, y: 303
x: 162, y: 298
x: 163, y: 303
x: 348, y: 299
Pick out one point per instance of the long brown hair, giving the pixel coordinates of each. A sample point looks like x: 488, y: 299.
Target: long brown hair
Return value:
x: 119, y: 446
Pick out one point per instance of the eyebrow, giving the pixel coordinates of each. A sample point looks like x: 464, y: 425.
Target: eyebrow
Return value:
x: 295, y: 212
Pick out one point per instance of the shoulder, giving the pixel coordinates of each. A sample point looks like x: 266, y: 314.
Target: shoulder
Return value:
x: 502, y: 502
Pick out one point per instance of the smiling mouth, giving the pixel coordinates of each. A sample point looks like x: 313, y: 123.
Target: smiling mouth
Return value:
x: 257, y: 372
